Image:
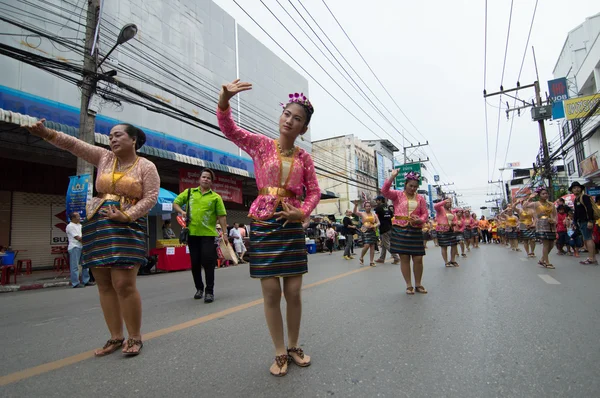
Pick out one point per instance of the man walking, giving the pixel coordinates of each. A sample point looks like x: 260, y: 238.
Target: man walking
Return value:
x: 74, y: 234
x: 238, y: 242
x: 385, y: 229
x: 349, y: 230
x: 204, y: 208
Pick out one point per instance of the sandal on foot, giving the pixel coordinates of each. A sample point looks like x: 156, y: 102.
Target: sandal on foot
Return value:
x: 116, y: 343
x: 130, y: 344
x: 372, y: 265
x: 550, y: 266
x: 300, y: 352
x: 362, y: 261
x: 464, y: 255
x: 421, y: 289
x: 281, y: 360
x: 449, y: 265
x: 410, y: 290
x: 454, y: 263
x: 543, y: 264
x: 587, y: 261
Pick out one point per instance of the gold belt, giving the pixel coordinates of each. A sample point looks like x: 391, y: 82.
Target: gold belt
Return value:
x: 119, y: 198
x: 404, y: 218
x: 275, y: 191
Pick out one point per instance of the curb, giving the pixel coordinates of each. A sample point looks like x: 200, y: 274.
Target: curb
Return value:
x: 35, y: 286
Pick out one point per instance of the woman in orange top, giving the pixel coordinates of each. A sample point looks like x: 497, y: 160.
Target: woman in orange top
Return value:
x: 483, y: 227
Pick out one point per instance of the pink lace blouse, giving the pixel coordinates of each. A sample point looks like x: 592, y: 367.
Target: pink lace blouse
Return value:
x: 139, y: 185
x: 400, y: 201
x: 268, y: 168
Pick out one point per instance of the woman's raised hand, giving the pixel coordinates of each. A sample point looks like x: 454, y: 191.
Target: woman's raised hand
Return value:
x: 231, y: 89
x: 38, y: 129
x: 394, y: 173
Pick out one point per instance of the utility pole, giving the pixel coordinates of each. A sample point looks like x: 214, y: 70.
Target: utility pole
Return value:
x: 411, y: 146
x: 87, y: 118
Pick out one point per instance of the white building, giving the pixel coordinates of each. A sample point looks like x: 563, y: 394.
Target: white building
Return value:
x: 579, y: 62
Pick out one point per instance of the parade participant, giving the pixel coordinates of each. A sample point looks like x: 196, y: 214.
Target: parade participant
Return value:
x: 410, y: 214
x: 370, y: 222
x: 584, y: 218
x: 545, y: 223
x: 385, y: 229
x: 475, y: 231
x: 445, y: 231
x: 204, y: 207
x: 527, y: 226
x: 114, y: 233
x: 484, y: 226
x: 512, y: 228
x: 468, y: 233
x: 277, y: 244
x: 493, y: 230
x: 460, y: 230
x: 501, y: 222
x: 562, y: 227
x: 348, y: 231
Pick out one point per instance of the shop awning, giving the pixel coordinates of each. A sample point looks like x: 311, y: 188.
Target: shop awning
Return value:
x: 19, y: 119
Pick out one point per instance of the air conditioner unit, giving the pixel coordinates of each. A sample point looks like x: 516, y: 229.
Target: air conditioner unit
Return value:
x: 541, y: 112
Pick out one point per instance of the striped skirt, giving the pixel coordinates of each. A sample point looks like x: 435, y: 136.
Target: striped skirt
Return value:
x: 427, y: 236
x: 446, y: 239
x: 434, y: 234
x: 467, y: 234
x: 113, y: 244
x: 407, y: 240
x: 460, y: 237
x: 528, y: 233
x: 512, y: 233
x: 369, y: 237
x: 546, y: 235
x: 275, y: 250
x: 501, y: 232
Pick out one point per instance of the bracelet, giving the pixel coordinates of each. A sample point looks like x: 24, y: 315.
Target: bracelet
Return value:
x: 129, y: 219
x: 51, y: 135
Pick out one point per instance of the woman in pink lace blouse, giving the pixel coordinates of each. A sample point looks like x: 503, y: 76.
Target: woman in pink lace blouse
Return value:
x: 277, y: 243
x: 114, y: 233
x: 410, y: 215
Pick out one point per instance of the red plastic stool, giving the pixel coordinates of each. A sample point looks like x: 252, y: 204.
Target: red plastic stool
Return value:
x: 5, y: 277
x: 27, y: 263
x: 59, y: 264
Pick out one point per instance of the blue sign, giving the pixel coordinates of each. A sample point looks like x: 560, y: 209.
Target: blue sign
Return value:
x: 558, y: 93
x: 78, y: 193
x: 436, y: 178
x: 27, y: 104
x: 593, y: 191
x: 431, y: 208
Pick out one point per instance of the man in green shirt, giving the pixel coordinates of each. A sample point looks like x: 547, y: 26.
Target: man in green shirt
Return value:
x: 205, y: 208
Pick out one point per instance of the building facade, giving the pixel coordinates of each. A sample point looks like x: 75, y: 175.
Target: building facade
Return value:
x: 182, y: 54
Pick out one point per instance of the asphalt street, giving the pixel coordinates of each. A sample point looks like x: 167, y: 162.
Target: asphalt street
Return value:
x: 498, y: 326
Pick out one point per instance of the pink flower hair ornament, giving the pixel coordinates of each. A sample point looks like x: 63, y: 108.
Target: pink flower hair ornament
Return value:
x: 300, y: 99
x: 412, y: 176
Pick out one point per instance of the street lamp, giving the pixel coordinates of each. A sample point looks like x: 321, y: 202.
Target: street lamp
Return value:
x: 127, y: 33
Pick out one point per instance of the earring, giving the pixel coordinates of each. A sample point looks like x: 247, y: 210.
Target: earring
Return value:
x: 302, y: 137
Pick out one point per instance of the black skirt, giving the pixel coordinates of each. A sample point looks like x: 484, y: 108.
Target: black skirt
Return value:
x: 407, y: 240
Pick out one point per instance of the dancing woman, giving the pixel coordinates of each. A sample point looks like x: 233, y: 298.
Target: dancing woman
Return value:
x: 474, y: 231
x: 445, y: 231
x: 468, y: 234
x: 460, y: 230
x: 410, y: 214
x: 370, y: 223
x: 277, y: 245
x: 114, y: 234
x: 545, y: 223
x: 527, y: 226
x: 512, y: 228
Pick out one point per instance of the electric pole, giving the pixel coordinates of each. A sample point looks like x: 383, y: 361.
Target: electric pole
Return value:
x: 87, y: 118
x: 411, y: 146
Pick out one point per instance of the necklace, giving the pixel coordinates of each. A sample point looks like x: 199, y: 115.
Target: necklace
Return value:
x: 119, y: 167
x: 122, y: 173
x: 286, y: 153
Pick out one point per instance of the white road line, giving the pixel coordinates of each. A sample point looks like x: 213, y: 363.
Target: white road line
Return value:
x: 548, y: 279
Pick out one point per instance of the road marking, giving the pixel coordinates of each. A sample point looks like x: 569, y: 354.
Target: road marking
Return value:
x: 548, y: 279
x: 61, y: 363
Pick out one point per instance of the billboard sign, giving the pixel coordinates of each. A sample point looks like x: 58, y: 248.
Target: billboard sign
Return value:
x: 576, y: 108
x: 558, y: 93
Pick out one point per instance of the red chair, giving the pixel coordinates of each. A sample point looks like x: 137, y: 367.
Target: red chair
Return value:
x: 27, y: 263
x: 59, y: 264
x: 5, y: 277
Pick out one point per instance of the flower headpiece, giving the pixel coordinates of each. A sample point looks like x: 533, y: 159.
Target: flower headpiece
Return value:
x: 299, y: 99
x: 539, y: 189
x: 412, y: 175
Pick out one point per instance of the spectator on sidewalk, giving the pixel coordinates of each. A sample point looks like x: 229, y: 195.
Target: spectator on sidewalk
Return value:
x: 204, y: 207
x: 75, y: 247
x: 385, y: 229
x: 349, y: 230
x: 331, y: 234
x: 238, y: 242
x: 168, y: 231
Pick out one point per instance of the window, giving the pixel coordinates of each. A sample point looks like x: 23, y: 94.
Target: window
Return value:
x: 571, y: 167
x: 565, y: 130
x: 577, y: 137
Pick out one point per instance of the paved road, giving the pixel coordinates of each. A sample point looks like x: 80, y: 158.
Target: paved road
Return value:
x: 491, y: 328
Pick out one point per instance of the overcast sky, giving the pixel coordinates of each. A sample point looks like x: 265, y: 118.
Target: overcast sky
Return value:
x: 430, y: 56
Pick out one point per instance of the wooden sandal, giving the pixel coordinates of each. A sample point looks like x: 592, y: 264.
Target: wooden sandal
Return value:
x: 410, y: 290
x: 449, y: 265
x: 421, y: 289
x: 300, y: 352
x: 281, y: 360
x: 117, y: 343
x: 132, y: 343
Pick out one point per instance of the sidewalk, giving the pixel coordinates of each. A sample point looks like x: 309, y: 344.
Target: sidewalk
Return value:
x: 36, y: 280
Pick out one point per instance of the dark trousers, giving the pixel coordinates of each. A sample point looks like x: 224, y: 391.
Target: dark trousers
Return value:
x: 203, y: 254
x: 486, y: 236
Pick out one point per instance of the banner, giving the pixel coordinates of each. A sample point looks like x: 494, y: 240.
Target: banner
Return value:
x: 558, y: 93
x: 576, y: 108
x: 380, y: 170
x: 78, y: 194
x: 58, y: 225
x: 407, y: 168
x: 229, y: 187
x: 589, y: 166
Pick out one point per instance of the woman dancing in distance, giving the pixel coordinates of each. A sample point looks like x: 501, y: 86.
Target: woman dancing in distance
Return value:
x: 467, y: 232
x: 512, y: 228
x: 277, y: 244
x: 527, y: 227
x: 475, y: 231
x: 410, y: 214
x: 545, y: 223
x: 370, y: 222
x: 445, y: 231
x: 460, y: 230
x: 114, y: 233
